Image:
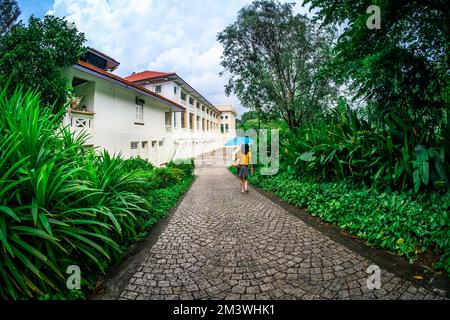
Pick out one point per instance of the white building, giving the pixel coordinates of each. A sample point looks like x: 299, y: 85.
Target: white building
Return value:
x: 156, y: 116
x: 227, y: 121
x: 195, y: 130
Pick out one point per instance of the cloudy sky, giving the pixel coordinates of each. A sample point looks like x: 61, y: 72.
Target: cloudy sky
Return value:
x: 162, y: 35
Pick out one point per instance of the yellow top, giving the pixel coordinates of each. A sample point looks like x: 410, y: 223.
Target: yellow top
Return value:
x: 244, y: 160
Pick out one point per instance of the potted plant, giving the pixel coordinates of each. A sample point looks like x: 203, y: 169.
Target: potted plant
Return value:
x: 74, y: 102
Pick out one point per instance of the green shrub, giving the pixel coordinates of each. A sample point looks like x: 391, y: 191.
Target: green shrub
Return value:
x: 162, y: 200
x: 161, y: 187
x: 137, y: 163
x: 145, y: 181
x: 187, y: 166
x: 168, y: 176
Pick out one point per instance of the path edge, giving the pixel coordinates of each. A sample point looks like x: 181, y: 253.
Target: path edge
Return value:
x: 118, y: 276
x: 439, y: 284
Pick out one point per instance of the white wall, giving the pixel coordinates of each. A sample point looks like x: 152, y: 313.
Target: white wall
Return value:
x: 188, y: 142
x: 230, y: 119
x: 114, y: 125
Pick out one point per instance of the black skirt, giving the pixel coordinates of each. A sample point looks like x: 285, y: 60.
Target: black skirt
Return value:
x: 243, y: 171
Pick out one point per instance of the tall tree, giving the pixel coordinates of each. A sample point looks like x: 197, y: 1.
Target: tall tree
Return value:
x: 403, y: 66
x: 274, y: 58
x: 9, y: 13
x: 33, y: 56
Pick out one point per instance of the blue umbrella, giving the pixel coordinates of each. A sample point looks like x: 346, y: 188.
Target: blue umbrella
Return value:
x: 238, y: 141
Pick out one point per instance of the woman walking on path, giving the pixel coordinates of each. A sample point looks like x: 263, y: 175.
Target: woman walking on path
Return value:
x: 244, y: 158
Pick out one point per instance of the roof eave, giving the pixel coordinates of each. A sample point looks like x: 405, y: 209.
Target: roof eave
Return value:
x: 129, y: 86
x: 175, y: 76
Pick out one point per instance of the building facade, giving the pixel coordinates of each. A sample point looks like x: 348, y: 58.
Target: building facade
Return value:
x: 154, y: 115
x: 227, y: 121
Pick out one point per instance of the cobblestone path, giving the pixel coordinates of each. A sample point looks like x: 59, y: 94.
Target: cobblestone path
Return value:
x: 220, y: 244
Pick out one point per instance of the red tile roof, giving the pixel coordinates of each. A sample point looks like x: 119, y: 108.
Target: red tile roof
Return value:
x: 124, y: 81
x: 145, y: 75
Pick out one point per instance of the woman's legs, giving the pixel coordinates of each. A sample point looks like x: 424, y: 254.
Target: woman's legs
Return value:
x: 246, y: 184
x: 241, y: 180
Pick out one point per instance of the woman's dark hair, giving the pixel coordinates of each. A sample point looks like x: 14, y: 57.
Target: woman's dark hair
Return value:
x: 245, y: 149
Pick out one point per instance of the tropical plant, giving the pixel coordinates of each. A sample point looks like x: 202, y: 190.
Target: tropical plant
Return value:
x: 59, y: 204
x: 345, y: 145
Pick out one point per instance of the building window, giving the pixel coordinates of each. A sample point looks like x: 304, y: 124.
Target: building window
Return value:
x: 226, y: 128
x: 191, y: 121
x: 183, y: 96
x: 175, y: 90
x: 226, y: 117
x: 144, y: 144
x: 222, y: 128
x: 158, y: 89
x: 154, y: 144
x: 134, y: 145
x: 183, y: 119
x: 140, y: 101
x: 139, y: 114
x: 161, y: 143
x: 191, y: 100
x: 168, y: 118
x: 203, y: 108
x: 174, y: 120
x: 139, y: 110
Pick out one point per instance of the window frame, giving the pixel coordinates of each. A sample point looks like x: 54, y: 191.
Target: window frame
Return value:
x: 139, y: 116
x: 136, y: 143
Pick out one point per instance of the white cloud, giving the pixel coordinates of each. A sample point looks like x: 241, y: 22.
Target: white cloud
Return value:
x: 161, y: 35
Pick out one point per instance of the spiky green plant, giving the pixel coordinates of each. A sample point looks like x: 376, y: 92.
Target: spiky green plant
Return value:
x: 394, y: 154
x: 59, y: 205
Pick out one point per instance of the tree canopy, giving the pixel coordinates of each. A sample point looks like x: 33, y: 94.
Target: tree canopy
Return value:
x: 33, y: 56
x: 9, y: 13
x: 275, y: 58
x: 403, y: 67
